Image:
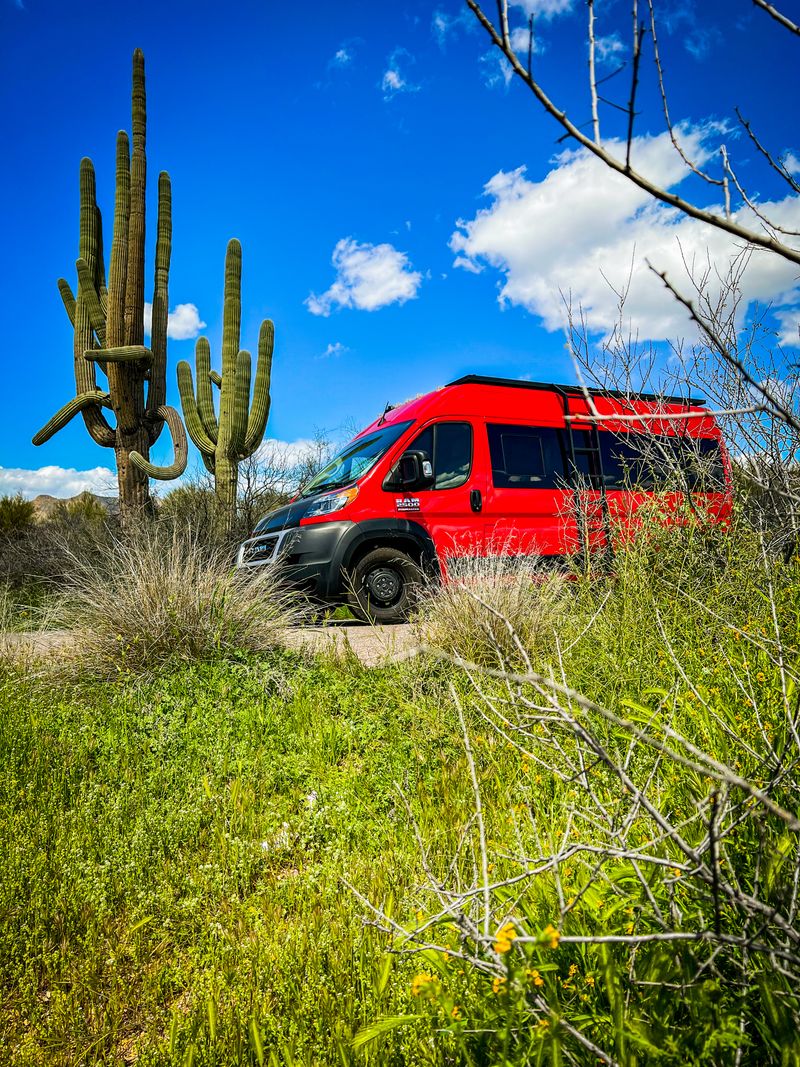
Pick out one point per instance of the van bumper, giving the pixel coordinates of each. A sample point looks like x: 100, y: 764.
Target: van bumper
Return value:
x: 309, y: 557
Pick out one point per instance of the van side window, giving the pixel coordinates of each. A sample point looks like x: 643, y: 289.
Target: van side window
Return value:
x: 526, y: 457
x: 655, y: 462
x: 449, y: 445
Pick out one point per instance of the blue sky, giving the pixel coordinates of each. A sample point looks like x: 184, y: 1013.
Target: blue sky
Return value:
x: 342, y: 143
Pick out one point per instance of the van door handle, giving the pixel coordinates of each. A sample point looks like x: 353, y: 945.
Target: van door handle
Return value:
x: 475, y: 501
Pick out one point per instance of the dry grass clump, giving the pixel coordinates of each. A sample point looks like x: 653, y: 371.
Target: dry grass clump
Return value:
x: 485, y: 607
x: 160, y: 600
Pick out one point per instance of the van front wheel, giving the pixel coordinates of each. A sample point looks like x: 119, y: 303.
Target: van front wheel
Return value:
x: 384, y: 586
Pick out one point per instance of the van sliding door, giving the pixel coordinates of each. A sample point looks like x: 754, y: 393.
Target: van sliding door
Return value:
x: 528, y: 508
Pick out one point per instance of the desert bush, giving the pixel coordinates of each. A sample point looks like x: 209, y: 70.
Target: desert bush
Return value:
x: 16, y: 515
x: 486, y: 607
x: 628, y: 892
x: 168, y: 599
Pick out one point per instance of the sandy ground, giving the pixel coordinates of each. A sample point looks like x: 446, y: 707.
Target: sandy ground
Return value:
x: 373, y: 645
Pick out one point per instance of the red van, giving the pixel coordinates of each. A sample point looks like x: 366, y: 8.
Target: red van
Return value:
x: 487, y: 466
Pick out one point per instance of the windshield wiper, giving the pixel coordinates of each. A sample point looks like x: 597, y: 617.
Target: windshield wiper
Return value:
x: 325, y: 487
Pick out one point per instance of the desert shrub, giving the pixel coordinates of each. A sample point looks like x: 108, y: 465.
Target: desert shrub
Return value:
x: 16, y: 515
x: 168, y: 599
x: 485, y: 608
x: 192, y: 506
x: 627, y: 873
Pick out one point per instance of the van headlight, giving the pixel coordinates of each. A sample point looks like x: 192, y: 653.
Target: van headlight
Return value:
x: 324, y: 505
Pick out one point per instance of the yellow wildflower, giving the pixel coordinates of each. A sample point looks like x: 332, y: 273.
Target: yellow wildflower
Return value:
x: 535, y: 977
x: 760, y: 676
x: 498, y: 985
x: 573, y: 970
x: 420, y: 982
x: 542, y: 1024
x: 551, y: 936
x: 505, y: 935
x: 456, y: 1012
x: 589, y: 980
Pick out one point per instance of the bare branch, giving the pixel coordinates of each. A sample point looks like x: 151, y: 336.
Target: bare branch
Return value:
x: 502, y: 41
x: 778, y: 16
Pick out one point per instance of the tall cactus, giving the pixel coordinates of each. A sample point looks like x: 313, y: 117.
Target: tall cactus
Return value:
x: 108, y: 321
x: 238, y: 431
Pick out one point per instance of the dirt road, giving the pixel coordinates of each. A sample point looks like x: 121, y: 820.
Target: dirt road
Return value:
x: 374, y: 646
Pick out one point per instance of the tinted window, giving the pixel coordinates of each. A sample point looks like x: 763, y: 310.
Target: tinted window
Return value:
x: 654, y: 462
x: 526, y: 457
x: 449, y: 447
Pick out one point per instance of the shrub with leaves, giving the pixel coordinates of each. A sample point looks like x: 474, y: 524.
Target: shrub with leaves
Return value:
x: 16, y: 515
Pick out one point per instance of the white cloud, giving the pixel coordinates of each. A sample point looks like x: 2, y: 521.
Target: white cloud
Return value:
x: 608, y: 49
x: 544, y: 9
x: 443, y: 25
x: 788, y: 319
x: 342, y: 58
x: 183, y: 322
x: 496, y: 69
x: 394, y: 79
x: 336, y: 348
x: 368, y: 277
x: 584, y: 229
x: 792, y: 163
x: 57, y: 481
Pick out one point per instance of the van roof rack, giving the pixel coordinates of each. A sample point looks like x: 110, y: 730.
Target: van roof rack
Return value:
x: 575, y: 390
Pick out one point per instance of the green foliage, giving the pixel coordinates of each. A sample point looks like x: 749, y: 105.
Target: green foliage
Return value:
x: 16, y: 515
x: 178, y: 851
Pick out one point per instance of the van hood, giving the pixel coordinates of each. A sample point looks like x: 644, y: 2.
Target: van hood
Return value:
x: 285, y: 517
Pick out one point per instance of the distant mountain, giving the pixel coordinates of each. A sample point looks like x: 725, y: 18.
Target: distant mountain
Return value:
x: 46, y: 505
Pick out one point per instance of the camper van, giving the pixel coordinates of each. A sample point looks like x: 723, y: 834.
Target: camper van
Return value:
x: 488, y: 466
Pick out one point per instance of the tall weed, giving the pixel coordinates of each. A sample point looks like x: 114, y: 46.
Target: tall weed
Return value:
x: 166, y: 600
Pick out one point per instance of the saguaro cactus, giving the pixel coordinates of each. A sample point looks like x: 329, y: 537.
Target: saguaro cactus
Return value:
x: 238, y: 431
x: 108, y: 321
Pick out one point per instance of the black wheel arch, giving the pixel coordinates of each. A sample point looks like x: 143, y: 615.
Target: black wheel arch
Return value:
x: 402, y: 534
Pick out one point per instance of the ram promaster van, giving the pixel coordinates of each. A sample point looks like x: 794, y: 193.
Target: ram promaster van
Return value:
x: 487, y: 466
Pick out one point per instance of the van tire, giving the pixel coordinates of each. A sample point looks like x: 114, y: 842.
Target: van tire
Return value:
x: 383, y: 586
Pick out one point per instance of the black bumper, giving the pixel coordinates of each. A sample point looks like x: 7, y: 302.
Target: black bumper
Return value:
x: 314, y: 558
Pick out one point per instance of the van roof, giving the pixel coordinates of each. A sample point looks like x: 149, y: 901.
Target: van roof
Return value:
x: 575, y: 390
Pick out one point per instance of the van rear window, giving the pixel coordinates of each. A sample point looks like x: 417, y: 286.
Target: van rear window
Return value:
x: 654, y: 462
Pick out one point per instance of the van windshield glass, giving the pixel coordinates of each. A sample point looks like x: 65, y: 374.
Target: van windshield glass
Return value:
x: 355, y: 459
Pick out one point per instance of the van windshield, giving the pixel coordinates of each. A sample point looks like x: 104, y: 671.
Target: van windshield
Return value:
x: 355, y: 459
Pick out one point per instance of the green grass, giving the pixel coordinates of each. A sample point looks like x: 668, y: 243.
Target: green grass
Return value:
x: 175, y: 851
x: 165, y: 865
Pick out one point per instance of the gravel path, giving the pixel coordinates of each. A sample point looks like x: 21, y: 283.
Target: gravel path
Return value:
x: 373, y: 645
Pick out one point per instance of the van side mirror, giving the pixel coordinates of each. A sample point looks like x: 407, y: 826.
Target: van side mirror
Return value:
x: 414, y: 471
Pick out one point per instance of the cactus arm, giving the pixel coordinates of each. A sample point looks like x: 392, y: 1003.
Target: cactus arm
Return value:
x: 259, y: 412
x: 241, y: 402
x: 100, y: 267
x: 123, y: 354
x: 170, y: 416
x: 115, y: 321
x: 215, y: 379
x: 93, y: 308
x: 205, y: 399
x: 157, y: 389
x: 95, y: 398
x: 194, y: 424
x: 83, y: 336
x: 231, y: 324
x: 134, y: 283
x: 68, y: 299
